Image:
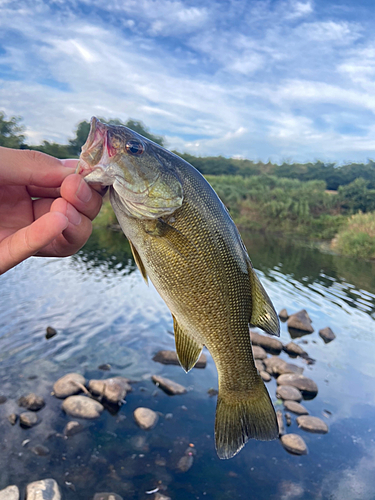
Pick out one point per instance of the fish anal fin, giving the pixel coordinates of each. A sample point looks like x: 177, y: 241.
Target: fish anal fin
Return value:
x: 188, y: 350
x: 139, y: 262
x: 263, y: 314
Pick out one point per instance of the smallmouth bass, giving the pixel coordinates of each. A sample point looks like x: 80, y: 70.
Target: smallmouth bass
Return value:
x: 184, y: 240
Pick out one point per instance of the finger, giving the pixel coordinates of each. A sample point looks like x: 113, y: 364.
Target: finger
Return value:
x: 77, y: 192
x: 24, y: 167
x: 41, y: 192
x: 29, y: 240
x: 70, y: 163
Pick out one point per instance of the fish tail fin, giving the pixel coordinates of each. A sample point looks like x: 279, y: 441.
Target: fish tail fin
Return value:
x: 239, y: 420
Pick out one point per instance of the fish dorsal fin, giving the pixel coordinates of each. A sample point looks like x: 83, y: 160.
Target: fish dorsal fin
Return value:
x: 188, y: 350
x: 138, y: 261
x: 263, y: 314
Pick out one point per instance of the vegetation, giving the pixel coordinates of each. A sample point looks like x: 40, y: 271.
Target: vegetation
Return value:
x: 357, y: 237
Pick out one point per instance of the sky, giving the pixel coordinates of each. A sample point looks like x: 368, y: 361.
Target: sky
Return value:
x: 279, y: 80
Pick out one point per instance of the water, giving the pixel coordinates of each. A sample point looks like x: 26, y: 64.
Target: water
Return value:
x: 104, y: 313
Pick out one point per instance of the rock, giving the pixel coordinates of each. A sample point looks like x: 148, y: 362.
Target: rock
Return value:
x: 12, y: 418
x: 168, y: 386
x: 105, y: 367
x: 294, y: 349
x: 50, y: 332
x: 281, y: 369
x: 312, y: 424
x: 288, y: 392
x: 10, y: 493
x: 3, y: 399
x: 273, y: 362
x: 300, y: 321
x: 112, y: 389
x: 280, y: 422
x: 269, y: 344
x: 186, y: 461
x: 69, y: 384
x: 307, y: 386
x: 160, y: 496
x: 72, y: 428
x: 327, y: 334
x: 46, y: 489
x: 107, y: 496
x: 40, y: 450
x: 259, y: 352
x: 82, y: 407
x: 28, y: 419
x: 32, y: 402
x: 283, y: 315
x: 170, y: 358
x: 259, y: 365
x: 295, y: 407
x: 288, y: 419
x: 266, y: 377
x: 145, y: 418
x: 212, y: 392
x: 294, y: 444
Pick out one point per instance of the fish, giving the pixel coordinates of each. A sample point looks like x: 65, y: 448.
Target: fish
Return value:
x: 184, y: 240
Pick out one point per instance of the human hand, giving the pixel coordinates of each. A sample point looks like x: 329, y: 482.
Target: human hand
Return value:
x: 58, y: 222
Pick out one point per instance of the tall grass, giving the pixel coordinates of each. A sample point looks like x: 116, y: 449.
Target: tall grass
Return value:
x: 357, y: 238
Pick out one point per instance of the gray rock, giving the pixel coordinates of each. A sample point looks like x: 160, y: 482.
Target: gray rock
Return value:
x: 281, y: 369
x: 82, y: 407
x: 294, y: 444
x: 212, y: 392
x: 50, y: 332
x: 259, y: 352
x: 28, y: 419
x: 288, y: 392
x: 283, y: 315
x: 69, y: 384
x: 13, y: 418
x: 269, y: 344
x: 300, y: 321
x: 10, y: 493
x: 259, y: 365
x: 32, y: 402
x: 168, y: 386
x: 112, y: 389
x: 72, y: 428
x: 40, y: 450
x: 295, y: 407
x: 46, y: 489
x: 307, y: 386
x: 312, y: 424
x: 288, y: 419
x: 3, y: 399
x: 186, y: 461
x: 160, y: 496
x: 327, y: 334
x: 107, y: 496
x: 170, y: 358
x: 105, y: 367
x: 294, y: 349
x: 280, y: 422
x: 273, y: 362
x: 266, y: 377
x: 145, y: 418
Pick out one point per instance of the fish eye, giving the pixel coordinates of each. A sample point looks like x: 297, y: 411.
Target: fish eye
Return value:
x: 134, y: 147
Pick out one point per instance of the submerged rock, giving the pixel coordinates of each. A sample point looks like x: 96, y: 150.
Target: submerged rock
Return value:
x: 3, y: 399
x: 295, y: 407
x: 259, y: 352
x: 168, y: 386
x: 307, y: 386
x: 288, y: 392
x: 294, y: 444
x: 46, y: 489
x: 327, y: 334
x: 10, y: 493
x: 28, y: 419
x: 13, y: 418
x: 145, y: 418
x: 187, y: 460
x: 50, y: 332
x: 288, y: 419
x: 73, y: 427
x: 212, y: 392
x: 269, y: 344
x: 170, y: 358
x: 107, y: 496
x: 280, y: 422
x: 160, y: 496
x: 266, y: 377
x: 312, y: 424
x: 300, y: 321
x: 82, y: 407
x: 40, y: 450
x: 283, y: 315
x: 294, y: 349
x: 32, y: 402
x: 69, y: 384
x: 112, y: 389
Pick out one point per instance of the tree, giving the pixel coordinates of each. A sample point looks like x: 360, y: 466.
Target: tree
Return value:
x: 11, y: 132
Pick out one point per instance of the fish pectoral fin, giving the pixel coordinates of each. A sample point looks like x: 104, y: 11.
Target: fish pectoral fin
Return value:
x: 263, y: 314
x: 172, y: 237
x: 188, y: 350
x: 139, y: 262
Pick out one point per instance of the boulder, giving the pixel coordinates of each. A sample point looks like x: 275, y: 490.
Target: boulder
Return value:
x: 266, y: 377
x: 295, y: 407
x: 73, y: 427
x: 294, y: 444
x: 327, y: 334
x: 69, y: 384
x: 288, y: 392
x: 168, y: 386
x: 31, y: 402
x: 273, y: 362
x: 28, y: 419
x: 170, y: 358
x: 283, y: 315
x: 46, y: 489
x: 294, y: 349
x: 312, y: 424
x: 107, y: 496
x: 281, y: 369
x: 300, y: 321
x: 82, y: 407
x: 10, y: 493
x: 307, y: 386
x: 259, y: 352
x: 269, y: 344
x: 112, y: 389
x: 145, y: 418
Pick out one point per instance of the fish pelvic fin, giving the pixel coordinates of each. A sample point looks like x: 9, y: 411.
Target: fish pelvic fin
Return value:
x: 188, y: 350
x: 139, y: 262
x: 239, y: 420
x: 263, y: 314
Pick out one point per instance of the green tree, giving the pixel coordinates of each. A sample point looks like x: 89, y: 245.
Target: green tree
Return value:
x: 11, y: 135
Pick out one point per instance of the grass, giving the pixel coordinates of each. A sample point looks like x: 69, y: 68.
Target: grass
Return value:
x: 357, y: 238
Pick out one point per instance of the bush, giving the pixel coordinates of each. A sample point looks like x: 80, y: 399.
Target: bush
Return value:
x: 357, y: 238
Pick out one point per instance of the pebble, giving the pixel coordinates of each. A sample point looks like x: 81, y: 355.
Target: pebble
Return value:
x: 288, y: 419
x: 294, y: 444
x: 186, y: 461
x: 294, y: 349
x: 105, y: 367
x: 259, y: 365
x: 68, y: 385
x: 307, y: 386
x: 266, y: 377
x: 28, y: 419
x: 107, y: 496
x: 280, y: 422
x: 82, y: 407
x: 170, y: 358
x: 50, y: 332
x: 160, y: 496
x: 295, y: 407
x: 273, y: 362
x: 73, y: 427
x: 10, y: 493
x: 269, y: 344
x: 46, y: 489
x: 312, y: 424
x: 327, y: 334
x: 31, y: 402
x: 40, y: 450
x: 288, y: 392
x: 3, y: 399
x: 259, y: 352
x: 300, y: 321
x: 212, y: 392
x: 168, y: 386
x: 112, y: 389
x: 281, y: 369
x: 145, y: 418
x: 13, y: 418
x: 283, y: 315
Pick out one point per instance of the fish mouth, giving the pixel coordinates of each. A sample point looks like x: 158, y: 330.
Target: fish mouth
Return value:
x: 93, y: 149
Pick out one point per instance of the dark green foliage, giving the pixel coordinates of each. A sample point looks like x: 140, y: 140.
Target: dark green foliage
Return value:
x: 357, y: 197
x: 11, y: 132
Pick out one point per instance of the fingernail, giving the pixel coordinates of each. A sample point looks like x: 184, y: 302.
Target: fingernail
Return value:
x: 73, y: 216
x: 84, y: 193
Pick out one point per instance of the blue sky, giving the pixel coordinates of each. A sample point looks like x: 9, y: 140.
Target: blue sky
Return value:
x: 279, y: 80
